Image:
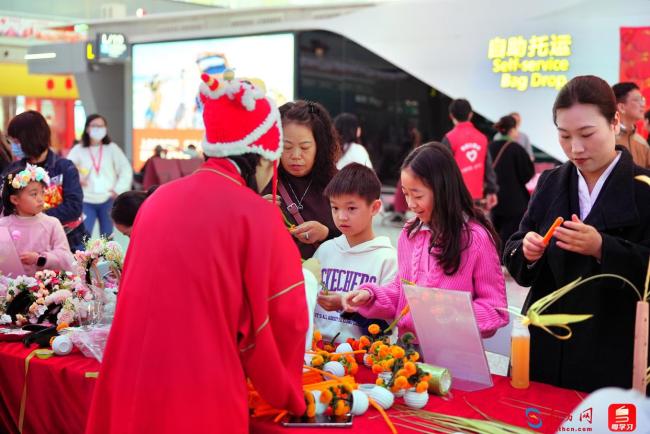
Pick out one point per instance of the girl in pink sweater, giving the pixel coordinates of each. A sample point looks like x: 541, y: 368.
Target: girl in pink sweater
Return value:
x: 450, y: 245
x: 39, y: 239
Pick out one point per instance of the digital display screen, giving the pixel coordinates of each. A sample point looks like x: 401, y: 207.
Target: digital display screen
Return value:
x: 167, y: 75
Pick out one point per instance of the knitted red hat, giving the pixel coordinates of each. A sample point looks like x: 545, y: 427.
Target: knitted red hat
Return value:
x: 239, y: 118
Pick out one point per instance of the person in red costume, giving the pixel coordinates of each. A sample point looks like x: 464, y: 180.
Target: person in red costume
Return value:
x: 212, y: 292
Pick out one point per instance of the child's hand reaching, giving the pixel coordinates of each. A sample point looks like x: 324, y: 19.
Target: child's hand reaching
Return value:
x: 353, y: 300
x: 29, y: 258
x: 330, y: 302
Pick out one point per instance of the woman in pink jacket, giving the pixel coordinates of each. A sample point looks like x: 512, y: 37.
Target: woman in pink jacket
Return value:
x: 449, y: 245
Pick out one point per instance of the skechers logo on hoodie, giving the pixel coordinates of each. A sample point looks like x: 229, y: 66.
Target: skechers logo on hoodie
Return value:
x: 344, y: 280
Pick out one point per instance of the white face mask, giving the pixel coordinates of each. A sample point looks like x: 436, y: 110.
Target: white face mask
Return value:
x: 97, y: 133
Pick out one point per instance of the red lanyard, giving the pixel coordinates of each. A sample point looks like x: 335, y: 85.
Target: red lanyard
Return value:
x: 97, y: 164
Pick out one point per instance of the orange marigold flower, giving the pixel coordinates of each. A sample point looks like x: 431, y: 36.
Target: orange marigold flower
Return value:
x: 383, y: 351
x: 317, y: 336
x: 341, y: 409
x: 326, y: 396
x: 374, y: 329
x: 311, y: 410
x: 335, y: 357
x: 376, y: 369
x: 402, y: 373
x: 410, y: 369
x: 62, y: 326
x: 397, y: 352
x: 354, y: 368
x: 364, y: 342
x: 379, y: 381
x: 390, y: 363
x: 317, y: 361
x: 401, y: 382
x: 422, y: 386
x: 415, y: 357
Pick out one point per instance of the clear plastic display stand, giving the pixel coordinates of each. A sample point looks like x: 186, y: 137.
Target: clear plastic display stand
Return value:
x: 448, y: 335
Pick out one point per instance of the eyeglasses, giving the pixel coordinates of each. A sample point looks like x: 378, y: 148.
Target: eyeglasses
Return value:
x: 640, y: 100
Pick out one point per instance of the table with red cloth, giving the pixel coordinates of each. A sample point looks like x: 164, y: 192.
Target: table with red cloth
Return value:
x: 59, y: 390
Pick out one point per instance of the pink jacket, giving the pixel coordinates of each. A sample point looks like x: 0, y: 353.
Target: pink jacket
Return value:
x: 479, y: 272
x: 41, y: 234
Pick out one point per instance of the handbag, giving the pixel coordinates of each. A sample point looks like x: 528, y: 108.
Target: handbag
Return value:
x: 503, y: 148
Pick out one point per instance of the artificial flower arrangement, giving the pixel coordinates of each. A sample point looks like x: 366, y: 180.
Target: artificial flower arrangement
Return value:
x: 339, y: 364
x: 98, y: 250
x: 400, y: 362
x: 48, y: 297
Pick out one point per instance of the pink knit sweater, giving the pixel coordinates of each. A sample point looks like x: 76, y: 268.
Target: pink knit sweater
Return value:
x: 42, y: 234
x: 479, y: 272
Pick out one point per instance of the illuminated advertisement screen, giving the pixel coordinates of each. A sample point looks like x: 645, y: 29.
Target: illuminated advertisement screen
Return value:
x: 166, y: 78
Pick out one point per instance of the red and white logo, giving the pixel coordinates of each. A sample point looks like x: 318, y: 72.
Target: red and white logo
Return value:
x: 622, y: 417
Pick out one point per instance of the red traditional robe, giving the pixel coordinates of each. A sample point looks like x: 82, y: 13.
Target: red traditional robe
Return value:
x: 212, y: 293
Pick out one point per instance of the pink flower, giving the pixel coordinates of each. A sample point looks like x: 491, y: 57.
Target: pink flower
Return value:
x: 58, y: 297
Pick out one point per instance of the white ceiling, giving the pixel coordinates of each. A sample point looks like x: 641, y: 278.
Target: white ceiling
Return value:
x: 80, y: 10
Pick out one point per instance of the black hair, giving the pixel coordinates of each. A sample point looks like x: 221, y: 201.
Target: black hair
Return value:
x: 505, y: 124
x: 587, y: 89
x: 346, y: 125
x: 85, y: 137
x: 247, y: 164
x: 434, y: 164
x: 8, y: 190
x: 621, y: 90
x: 460, y: 109
x: 355, y: 179
x: 32, y: 131
x: 318, y: 120
x: 5, y: 151
x: 647, y: 115
x: 127, y: 204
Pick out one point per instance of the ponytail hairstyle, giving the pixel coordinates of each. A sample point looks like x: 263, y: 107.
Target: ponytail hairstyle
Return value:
x: 346, y: 125
x: 434, y: 164
x: 318, y: 120
x: 506, y: 124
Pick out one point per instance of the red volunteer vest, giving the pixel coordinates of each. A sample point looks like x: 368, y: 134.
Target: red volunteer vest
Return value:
x: 469, y: 147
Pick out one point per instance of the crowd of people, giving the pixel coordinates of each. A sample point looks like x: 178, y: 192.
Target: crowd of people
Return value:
x: 278, y: 185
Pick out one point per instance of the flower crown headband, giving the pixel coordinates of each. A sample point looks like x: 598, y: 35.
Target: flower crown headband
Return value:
x: 31, y: 173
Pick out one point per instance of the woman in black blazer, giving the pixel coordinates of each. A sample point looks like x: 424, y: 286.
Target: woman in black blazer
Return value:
x: 606, y: 230
x: 514, y: 169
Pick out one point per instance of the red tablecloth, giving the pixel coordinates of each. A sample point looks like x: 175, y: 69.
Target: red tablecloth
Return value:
x: 59, y: 392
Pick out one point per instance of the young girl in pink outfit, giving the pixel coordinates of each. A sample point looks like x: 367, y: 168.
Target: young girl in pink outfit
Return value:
x: 449, y: 245
x: 39, y: 239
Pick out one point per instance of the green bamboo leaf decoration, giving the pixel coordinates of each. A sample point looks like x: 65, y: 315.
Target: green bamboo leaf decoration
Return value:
x: 534, y: 315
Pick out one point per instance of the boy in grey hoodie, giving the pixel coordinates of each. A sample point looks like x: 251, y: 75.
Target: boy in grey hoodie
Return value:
x: 355, y: 257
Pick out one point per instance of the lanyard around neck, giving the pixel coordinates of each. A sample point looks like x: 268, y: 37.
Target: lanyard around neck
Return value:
x: 97, y: 164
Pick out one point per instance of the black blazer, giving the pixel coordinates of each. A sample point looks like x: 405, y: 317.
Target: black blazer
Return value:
x: 514, y: 169
x: 599, y: 353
